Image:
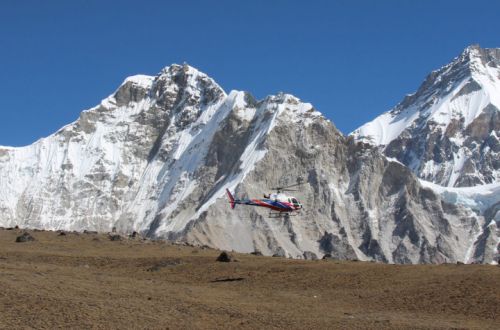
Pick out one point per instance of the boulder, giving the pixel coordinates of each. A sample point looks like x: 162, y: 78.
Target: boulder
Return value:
x: 308, y: 255
x: 25, y: 237
x: 224, y: 257
x: 115, y: 237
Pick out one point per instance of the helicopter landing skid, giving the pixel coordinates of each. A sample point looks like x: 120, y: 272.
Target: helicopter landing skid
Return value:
x: 279, y: 215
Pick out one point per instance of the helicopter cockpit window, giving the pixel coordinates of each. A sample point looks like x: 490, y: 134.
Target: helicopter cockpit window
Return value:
x: 295, y: 201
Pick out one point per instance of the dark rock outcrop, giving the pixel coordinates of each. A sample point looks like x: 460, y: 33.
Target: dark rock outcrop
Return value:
x: 24, y: 237
x: 224, y: 257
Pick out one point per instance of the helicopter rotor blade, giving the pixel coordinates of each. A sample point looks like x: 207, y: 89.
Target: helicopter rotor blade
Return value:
x: 300, y: 181
x: 293, y: 185
x: 286, y: 187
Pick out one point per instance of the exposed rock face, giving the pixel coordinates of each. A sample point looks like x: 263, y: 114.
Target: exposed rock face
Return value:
x: 448, y: 131
x: 489, y: 241
x: 157, y: 156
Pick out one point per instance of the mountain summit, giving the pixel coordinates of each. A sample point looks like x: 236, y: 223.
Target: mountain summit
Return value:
x: 448, y: 131
x: 157, y: 155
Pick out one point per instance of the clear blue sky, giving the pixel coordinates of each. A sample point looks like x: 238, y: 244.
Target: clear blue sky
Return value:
x: 352, y: 59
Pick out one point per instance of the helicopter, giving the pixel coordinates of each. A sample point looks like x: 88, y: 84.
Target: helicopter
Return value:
x: 278, y: 203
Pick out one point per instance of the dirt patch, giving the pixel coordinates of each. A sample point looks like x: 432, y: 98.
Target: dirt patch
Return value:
x: 164, y: 263
x: 77, y: 282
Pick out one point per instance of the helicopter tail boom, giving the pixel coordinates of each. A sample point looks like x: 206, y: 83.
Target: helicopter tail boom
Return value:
x: 231, y: 199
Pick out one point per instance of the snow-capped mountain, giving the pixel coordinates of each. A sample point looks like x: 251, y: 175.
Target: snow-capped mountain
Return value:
x: 448, y: 132
x: 157, y: 155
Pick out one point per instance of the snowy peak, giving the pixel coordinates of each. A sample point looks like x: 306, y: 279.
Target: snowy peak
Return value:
x: 140, y: 81
x: 480, y: 58
x: 447, y: 132
x: 473, y: 62
x: 175, y: 82
x: 473, y: 70
x: 189, y: 78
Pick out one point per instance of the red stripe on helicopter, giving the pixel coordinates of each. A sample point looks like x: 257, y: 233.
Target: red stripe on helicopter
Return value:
x: 282, y: 206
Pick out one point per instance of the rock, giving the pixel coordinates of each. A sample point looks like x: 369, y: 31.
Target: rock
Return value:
x: 224, y: 257
x: 134, y: 235
x: 115, y: 237
x: 25, y: 237
x: 327, y: 256
x: 257, y: 253
x: 308, y: 255
x: 279, y: 252
x: 336, y: 246
x: 62, y: 233
x: 228, y: 279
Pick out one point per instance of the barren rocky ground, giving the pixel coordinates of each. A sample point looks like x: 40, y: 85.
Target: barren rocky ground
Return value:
x: 89, y: 281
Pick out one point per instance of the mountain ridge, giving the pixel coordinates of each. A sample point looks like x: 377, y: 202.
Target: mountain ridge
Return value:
x: 447, y: 132
x: 157, y: 155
